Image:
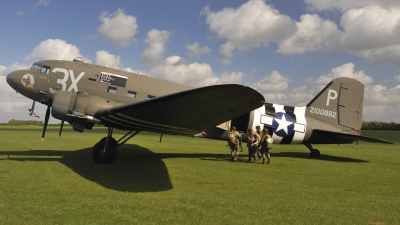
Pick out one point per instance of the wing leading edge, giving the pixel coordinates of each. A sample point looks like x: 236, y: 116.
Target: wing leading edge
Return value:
x: 187, y: 112
x: 341, y: 138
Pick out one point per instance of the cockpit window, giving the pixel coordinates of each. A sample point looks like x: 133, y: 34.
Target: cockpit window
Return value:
x: 36, y: 67
x: 41, y: 68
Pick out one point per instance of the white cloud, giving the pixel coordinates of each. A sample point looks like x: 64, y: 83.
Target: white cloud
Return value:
x: 20, y: 13
x: 227, y: 49
x: 104, y: 58
x: 372, y: 32
x: 42, y: 3
x: 381, y: 103
x: 194, y: 74
x: 224, y: 62
x: 153, y: 53
x: 312, y: 33
x: 195, y: 51
x: 297, y: 97
x: 381, y: 95
x: 231, y: 78
x: 252, y: 24
x: 55, y: 49
x: 272, y: 84
x: 15, y: 66
x: 118, y: 27
x: 344, y: 5
x: 345, y: 70
x: 397, y: 78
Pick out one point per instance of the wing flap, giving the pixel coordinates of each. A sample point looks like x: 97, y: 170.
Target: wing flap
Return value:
x: 188, y: 111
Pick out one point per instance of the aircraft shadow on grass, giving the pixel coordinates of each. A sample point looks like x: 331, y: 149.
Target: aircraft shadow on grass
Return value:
x: 137, y: 169
x: 299, y: 155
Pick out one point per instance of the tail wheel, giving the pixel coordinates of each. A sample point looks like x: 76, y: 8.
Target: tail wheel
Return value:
x: 104, y: 154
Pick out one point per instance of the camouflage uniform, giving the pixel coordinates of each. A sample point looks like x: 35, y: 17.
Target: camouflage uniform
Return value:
x: 233, y: 142
x: 265, y: 146
x: 252, y: 142
x: 257, y: 153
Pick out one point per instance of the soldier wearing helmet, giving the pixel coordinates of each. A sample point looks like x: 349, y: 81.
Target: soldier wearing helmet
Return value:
x: 234, y: 138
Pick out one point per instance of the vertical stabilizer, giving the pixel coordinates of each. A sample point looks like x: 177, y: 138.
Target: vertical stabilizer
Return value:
x: 339, y: 104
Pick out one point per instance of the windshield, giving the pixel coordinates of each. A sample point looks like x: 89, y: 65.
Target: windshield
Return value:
x: 41, y: 68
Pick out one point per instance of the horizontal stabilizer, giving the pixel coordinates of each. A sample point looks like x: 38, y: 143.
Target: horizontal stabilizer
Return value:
x: 342, y: 138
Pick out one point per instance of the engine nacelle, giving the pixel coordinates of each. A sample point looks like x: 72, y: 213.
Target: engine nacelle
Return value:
x: 78, y: 108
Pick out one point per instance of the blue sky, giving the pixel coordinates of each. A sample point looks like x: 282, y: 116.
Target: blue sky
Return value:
x: 286, y: 49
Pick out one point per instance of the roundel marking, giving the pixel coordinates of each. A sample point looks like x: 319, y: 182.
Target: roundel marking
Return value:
x: 28, y: 80
x: 283, y: 124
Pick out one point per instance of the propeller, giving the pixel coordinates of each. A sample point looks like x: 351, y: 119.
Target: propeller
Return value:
x: 61, y: 127
x: 46, y: 121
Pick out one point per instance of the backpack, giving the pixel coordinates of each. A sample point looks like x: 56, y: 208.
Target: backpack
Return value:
x: 270, y: 140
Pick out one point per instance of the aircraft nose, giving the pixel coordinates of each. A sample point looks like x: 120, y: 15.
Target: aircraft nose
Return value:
x: 13, y: 79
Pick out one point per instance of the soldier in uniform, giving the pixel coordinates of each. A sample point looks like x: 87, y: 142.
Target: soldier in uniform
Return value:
x: 257, y: 152
x: 252, y: 143
x: 266, y: 145
x: 234, y: 138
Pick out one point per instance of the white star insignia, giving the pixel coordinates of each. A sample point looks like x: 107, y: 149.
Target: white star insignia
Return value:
x: 283, y: 124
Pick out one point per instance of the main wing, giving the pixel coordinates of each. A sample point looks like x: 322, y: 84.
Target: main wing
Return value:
x: 331, y: 137
x: 187, y: 112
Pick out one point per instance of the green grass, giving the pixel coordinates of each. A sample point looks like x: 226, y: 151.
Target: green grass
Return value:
x: 191, y: 181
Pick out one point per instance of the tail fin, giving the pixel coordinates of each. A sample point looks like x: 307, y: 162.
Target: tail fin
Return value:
x: 339, y: 104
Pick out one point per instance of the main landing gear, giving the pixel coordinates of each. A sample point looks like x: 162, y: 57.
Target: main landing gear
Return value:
x: 105, y: 150
x: 314, y: 153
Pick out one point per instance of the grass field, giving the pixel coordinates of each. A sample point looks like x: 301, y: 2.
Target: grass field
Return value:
x: 191, y: 181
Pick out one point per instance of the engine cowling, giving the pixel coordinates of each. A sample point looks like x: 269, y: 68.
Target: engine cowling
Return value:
x: 78, y: 108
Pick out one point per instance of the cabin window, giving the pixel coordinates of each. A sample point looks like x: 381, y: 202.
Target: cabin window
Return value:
x: 131, y: 94
x: 150, y: 96
x: 112, y: 90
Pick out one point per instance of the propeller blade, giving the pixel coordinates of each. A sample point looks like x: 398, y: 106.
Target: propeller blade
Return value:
x: 61, y: 127
x: 46, y: 121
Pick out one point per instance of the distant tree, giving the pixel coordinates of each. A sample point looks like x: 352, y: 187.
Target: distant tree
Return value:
x: 376, y: 125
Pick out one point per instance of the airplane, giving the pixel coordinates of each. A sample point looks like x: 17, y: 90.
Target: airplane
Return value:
x: 84, y: 94
x: 333, y: 116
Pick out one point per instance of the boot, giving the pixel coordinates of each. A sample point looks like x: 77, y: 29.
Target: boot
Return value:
x: 264, y: 161
x: 255, y: 159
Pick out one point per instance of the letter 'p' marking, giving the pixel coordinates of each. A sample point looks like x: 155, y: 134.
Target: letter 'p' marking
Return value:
x: 332, y: 95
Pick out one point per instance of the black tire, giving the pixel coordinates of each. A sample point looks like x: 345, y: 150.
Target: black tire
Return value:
x: 315, y: 153
x: 99, y: 156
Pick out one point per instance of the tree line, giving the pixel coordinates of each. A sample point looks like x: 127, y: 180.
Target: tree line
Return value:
x: 375, y: 125
x: 25, y: 122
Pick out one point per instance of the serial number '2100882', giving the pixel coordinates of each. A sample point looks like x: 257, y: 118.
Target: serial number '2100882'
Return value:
x: 323, y: 112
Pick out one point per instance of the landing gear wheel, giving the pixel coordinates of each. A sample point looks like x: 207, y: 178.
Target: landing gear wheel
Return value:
x: 107, y: 156
x: 315, y: 153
